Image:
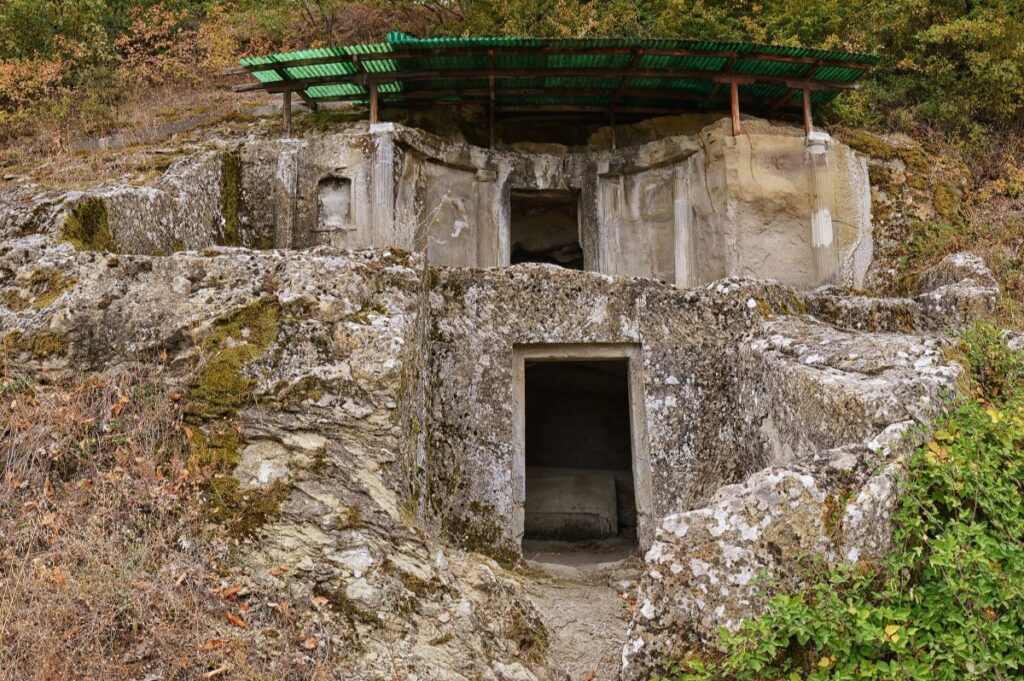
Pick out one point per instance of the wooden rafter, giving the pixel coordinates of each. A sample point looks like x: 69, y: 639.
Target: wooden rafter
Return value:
x: 483, y: 94
x: 526, y: 51
x: 457, y: 74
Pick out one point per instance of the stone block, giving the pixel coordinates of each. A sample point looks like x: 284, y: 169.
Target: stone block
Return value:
x: 571, y: 506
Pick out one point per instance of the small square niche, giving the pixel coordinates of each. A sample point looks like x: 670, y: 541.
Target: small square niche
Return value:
x: 334, y: 204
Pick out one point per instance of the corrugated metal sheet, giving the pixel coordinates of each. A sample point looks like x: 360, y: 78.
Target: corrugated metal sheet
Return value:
x: 332, y: 72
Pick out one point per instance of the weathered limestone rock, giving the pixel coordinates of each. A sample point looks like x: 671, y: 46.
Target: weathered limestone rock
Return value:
x: 687, y: 209
x: 957, y: 291
x: 356, y: 411
x: 821, y: 497
x: 320, y: 443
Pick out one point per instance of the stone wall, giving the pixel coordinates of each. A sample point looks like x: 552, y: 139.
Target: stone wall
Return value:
x: 684, y: 209
x: 734, y: 379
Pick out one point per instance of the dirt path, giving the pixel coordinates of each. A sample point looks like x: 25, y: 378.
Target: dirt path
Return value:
x: 586, y: 610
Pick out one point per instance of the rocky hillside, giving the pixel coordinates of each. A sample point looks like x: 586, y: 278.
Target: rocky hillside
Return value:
x: 239, y: 463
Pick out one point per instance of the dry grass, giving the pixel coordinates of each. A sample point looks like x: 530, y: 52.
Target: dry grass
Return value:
x: 107, y: 570
x: 46, y: 152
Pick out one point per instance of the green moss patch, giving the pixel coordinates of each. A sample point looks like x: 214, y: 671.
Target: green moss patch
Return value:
x: 217, y: 446
x: 215, y: 435
x: 39, y: 345
x: 9, y: 342
x: 242, y: 512
x: 44, y: 287
x: 947, y: 201
x: 913, y: 157
x: 15, y: 301
x: 222, y: 388
x: 87, y: 226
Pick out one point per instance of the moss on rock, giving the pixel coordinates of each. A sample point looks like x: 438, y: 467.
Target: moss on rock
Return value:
x: 9, y: 342
x: 39, y: 345
x: 218, y: 446
x: 914, y: 158
x: 947, y: 201
x: 222, y: 388
x: 15, y: 301
x: 220, y: 391
x: 44, y: 286
x: 242, y: 512
x: 87, y: 226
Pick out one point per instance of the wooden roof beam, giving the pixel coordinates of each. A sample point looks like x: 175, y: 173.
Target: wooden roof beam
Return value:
x: 521, y: 51
x: 456, y: 74
x: 569, y: 92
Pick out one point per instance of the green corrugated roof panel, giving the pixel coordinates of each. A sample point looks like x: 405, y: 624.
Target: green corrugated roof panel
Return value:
x: 340, y: 73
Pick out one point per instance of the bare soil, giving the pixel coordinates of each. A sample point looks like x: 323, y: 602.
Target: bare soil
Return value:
x: 586, y: 596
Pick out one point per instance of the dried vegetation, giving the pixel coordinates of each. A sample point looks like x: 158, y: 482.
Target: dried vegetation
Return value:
x: 108, y: 566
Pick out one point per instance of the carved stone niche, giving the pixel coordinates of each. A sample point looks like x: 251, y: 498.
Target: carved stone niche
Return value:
x: 334, y: 211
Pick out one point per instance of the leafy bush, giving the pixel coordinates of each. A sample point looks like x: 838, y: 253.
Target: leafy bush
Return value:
x: 945, y: 603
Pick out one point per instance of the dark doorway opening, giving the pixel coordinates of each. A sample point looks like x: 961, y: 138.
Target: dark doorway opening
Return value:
x: 544, y: 227
x: 579, y: 472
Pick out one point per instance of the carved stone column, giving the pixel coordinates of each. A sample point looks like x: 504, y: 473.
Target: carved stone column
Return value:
x: 822, y: 235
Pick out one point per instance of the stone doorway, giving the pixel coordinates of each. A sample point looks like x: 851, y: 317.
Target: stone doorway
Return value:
x: 544, y: 227
x: 581, y: 470
x: 579, y: 477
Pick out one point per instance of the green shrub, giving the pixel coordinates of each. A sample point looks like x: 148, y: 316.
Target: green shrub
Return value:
x: 946, y: 602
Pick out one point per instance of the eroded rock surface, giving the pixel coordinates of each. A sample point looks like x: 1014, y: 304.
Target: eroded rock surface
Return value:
x: 355, y: 410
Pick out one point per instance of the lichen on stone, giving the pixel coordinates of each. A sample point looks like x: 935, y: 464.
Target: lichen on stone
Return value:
x: 43, y: 288
x: 87, y: 226
x: 362, y: 316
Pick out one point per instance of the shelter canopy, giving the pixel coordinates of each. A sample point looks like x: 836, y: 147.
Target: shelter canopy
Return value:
x: 532, y: 75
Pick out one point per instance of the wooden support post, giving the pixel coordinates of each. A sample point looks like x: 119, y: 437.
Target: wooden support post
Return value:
x: 614, y: 145
x: 734, y: 97
x: 808, y: 120
x: 288, y: 113
x: 374, y: 104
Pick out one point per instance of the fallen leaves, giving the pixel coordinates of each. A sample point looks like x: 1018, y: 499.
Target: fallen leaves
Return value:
x: 212, y: 644
x: 118, y: 407
x: 229, y: 591
x: 237, y: 621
